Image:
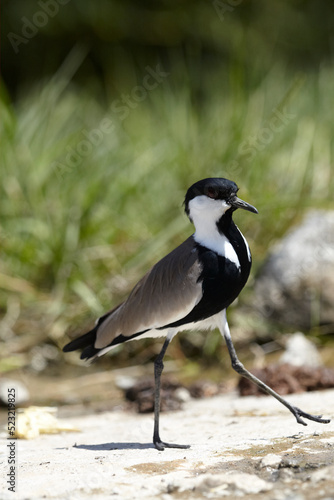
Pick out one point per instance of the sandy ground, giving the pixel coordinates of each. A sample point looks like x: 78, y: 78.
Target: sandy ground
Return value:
x: 240, y: 447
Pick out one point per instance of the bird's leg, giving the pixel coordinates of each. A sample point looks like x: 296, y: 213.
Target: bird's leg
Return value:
x: 158, y: 367
x: 239, y: 368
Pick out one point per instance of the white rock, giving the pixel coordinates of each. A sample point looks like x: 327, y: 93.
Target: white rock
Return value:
x: 271, y: 460
x: 182, y: 394
x: 124, y: 382
x: 300, y: 351
x: 236, y: 483
x: 21, y: 392
x: 296, y: 284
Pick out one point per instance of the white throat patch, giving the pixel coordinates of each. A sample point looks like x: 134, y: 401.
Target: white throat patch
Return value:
x: 205, y: 213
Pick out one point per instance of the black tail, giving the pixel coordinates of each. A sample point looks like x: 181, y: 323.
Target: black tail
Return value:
x: 85, y: 342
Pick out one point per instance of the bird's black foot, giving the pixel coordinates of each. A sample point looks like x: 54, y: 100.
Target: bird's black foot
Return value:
x: 316, y: 418
x: 161, y: 445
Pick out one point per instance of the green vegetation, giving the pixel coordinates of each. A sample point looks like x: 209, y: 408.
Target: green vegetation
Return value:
x: 92, y: 183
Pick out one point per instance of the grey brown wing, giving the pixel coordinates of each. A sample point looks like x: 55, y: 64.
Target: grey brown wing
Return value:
x: 167, y: 293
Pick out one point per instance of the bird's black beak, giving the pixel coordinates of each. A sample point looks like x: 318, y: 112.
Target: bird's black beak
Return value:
x: 237, y: 203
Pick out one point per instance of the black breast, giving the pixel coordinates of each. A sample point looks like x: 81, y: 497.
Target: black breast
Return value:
x: 222, y: 280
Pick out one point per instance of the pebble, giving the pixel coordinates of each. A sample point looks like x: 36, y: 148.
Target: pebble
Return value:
x: 271, y: 460
x: 182, y: 394
x: 21, y: 392
x: 300, y: 351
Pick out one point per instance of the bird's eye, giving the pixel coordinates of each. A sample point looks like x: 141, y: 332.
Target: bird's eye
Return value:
x: 212, y: 192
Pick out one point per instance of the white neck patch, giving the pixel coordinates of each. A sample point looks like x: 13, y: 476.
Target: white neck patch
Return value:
x: 205, y: 212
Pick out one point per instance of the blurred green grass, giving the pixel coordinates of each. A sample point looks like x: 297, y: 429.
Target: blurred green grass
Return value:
x: 76, y: 238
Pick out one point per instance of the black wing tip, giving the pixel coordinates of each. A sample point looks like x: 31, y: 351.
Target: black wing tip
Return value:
x: 89, y: 352
x: 70, y: 347
x: 67, y: 348
x: 85, y: 342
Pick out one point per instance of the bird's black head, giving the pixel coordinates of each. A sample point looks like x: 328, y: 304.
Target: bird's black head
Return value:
x: 219, y: 189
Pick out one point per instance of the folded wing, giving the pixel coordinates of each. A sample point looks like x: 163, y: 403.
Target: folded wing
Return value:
x: 167, y: 293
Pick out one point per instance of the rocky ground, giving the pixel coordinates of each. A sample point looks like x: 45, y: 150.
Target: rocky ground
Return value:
x: 249, y: 447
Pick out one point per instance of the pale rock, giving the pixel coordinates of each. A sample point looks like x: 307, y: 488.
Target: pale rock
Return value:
x: 300, y: 352
x: 21, y: 392
x: 296, y: 284
x: 231, y: 483
x: 271, y: 460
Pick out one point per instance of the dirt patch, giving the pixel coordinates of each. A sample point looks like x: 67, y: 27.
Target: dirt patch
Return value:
x: 157, y: 468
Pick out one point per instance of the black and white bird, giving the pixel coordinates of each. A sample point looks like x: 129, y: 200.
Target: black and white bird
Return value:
x: 189, y: 288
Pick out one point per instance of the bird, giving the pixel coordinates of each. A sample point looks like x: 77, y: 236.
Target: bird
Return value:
x: 190, y: 288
